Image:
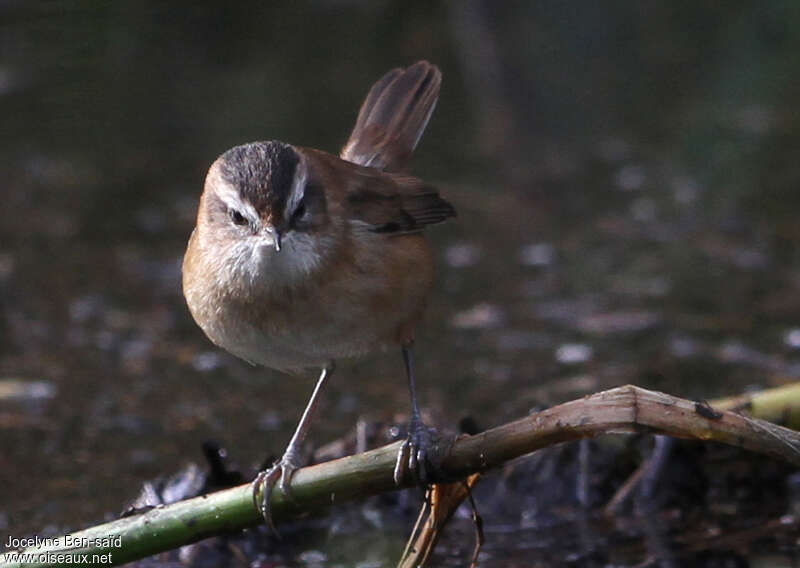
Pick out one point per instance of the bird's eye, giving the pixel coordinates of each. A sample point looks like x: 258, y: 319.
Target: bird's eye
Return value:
x: 236, y: 217
x: 301, y: 215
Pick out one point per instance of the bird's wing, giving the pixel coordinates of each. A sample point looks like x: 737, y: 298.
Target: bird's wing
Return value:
x: 395, y: 204
x: 393, y: 117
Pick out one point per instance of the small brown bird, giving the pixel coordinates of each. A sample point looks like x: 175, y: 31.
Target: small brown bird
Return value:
x: 300, y: 257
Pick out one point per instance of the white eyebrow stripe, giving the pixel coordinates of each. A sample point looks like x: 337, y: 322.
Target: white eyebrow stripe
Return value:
x: 230, y: 197
x: 298, y: 188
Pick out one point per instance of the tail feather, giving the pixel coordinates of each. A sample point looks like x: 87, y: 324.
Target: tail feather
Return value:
x: 393, y: 117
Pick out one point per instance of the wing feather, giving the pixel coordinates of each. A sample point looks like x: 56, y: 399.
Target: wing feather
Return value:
x: 396, y: 204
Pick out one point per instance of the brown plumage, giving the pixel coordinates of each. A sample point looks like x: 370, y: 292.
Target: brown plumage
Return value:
x: 300, y: 257
x: 393, y: 117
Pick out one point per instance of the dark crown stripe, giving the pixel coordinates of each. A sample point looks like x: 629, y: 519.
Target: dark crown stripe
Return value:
x: 263, y: 173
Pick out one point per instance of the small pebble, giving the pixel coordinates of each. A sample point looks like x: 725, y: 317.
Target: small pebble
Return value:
x: 22, y: 389
x: 573, y: 353
x: 643, y: 210
x: 538, y: 254
x: 312, y: 557
x: 685, y: 190
x: 630, y: 178
x: 620, y: 322
x: 792, y: 338
x: 462, y: 255
x: 479, y: 317
x: 683, y: 347
x: 206, y: 361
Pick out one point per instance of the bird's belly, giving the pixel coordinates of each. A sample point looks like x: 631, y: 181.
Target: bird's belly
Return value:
x: 344, y: 311
x: 307, y: 335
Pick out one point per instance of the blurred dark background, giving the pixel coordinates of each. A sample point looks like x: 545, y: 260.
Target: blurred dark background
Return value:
x: 626, y: 176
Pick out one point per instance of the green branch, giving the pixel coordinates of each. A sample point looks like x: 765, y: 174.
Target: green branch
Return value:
x: 620, y: 410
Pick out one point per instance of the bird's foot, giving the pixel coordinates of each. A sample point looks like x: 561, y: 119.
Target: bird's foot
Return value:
x: 279, y: 474
x: 417, y: 454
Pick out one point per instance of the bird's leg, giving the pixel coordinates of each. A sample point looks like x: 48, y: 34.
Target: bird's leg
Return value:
x: 416, y: 451
x: 281, y: 473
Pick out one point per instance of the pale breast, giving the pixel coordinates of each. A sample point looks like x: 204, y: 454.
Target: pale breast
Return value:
x: 369, y: 296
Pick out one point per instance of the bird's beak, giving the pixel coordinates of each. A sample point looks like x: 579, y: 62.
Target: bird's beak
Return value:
x: 272, y: 235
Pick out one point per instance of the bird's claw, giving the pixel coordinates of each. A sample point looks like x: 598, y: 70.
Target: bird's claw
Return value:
x: 415, y: 454
x: 279, y: 474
